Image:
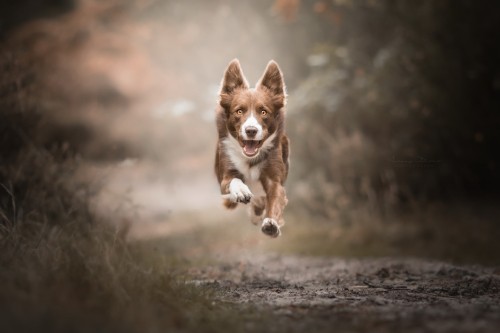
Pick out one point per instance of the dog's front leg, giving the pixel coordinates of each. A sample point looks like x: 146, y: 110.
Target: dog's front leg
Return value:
x: 276, y: 202
x: 235, y: 191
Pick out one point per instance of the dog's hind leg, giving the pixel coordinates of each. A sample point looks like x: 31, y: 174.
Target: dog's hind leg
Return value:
x: 257, y: 209
x: 229, y: 204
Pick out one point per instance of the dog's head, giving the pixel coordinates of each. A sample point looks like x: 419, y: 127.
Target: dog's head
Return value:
x: 253, y: 115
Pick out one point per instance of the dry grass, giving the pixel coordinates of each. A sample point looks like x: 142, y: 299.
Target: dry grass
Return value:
x: 65, y: 281
x: 64, y: 269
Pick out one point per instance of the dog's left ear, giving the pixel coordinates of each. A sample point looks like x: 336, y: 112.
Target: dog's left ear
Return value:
x: 272, y: 81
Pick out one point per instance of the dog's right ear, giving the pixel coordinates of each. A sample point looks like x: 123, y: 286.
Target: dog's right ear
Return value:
x: 233, y: 79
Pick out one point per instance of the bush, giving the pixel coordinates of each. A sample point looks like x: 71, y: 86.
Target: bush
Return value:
x: 403, y: 106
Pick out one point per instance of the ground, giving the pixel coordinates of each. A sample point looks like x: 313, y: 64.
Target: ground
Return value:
x: 360, y: 278
x: 382, y: 295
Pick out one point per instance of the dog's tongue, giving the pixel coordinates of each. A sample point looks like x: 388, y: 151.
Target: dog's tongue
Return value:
x: 250, y: 147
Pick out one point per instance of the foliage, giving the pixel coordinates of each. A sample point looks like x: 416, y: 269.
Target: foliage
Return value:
x: 400, y: 105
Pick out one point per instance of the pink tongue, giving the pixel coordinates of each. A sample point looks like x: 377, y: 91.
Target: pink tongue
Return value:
x: 250, y: 147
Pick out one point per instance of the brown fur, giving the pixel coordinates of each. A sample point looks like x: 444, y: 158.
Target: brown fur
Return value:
x: 267, y: 104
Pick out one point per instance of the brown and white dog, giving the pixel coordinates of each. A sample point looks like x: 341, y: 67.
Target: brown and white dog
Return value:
x: 251, y: 160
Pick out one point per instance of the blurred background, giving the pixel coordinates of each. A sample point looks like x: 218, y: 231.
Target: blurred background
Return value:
x: 393, y: 116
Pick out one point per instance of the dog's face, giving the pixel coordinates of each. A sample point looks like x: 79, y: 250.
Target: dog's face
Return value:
x: 253, y: 115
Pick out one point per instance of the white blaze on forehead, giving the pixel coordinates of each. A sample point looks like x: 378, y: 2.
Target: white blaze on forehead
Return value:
x: 251, y: 122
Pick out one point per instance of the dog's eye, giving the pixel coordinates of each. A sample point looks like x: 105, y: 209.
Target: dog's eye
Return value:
x: 239, y: 112
x: 263, y: 112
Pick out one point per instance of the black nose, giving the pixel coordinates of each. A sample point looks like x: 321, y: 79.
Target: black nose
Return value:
x: 251, y: 131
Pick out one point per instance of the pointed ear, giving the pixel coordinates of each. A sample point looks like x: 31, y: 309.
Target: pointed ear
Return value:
x: 233, y: 78
x: 272, y: 81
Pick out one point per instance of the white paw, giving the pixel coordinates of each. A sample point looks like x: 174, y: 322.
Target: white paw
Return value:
x: 239, y: 192
x: 270, y: 227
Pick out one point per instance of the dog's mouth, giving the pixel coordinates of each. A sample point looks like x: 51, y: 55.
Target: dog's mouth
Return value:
x: 251, y: 147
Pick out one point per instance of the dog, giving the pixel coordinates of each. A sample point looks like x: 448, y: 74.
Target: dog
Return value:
x: 252, y: 155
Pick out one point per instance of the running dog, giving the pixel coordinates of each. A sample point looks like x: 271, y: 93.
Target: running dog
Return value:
x: 251, y: 160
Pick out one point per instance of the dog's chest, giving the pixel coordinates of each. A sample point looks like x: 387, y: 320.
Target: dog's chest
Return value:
x: 250, y: 173
x: 252, y: 176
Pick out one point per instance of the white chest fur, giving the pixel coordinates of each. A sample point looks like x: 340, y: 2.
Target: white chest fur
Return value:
x: 241, y: 163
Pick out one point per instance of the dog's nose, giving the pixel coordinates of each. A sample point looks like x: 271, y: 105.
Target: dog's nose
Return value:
x: 251, y: 131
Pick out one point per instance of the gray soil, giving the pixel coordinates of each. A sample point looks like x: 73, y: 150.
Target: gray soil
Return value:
x: 303, y: 294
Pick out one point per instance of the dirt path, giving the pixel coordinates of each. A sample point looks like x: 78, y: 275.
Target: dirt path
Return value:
x: 374, y: 295
x: 304, y: 294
